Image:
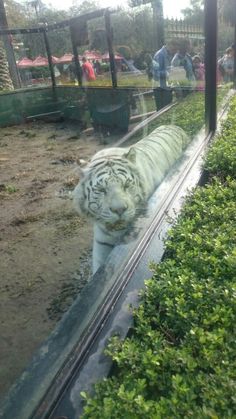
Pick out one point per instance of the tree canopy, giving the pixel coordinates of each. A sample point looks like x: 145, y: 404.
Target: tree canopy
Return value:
x: 132, y: 28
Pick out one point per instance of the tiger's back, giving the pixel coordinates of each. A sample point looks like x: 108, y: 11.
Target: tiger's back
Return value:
x: 156, y: 153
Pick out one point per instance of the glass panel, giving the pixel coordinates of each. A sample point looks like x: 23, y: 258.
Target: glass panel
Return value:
x: 96, y: 54
x: 132, y: 43
x: 46, y: 245
x: 62, y: 56
x: 32, y: 61
x: 178, y: 80
x: 225, y: 54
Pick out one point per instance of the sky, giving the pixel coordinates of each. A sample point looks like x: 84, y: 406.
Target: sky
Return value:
x: 171, y: 8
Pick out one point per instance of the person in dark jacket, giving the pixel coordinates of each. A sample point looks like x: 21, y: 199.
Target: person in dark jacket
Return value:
x: 162, y: 61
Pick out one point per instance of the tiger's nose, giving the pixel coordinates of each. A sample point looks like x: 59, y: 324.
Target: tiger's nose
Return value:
x: 119, y: 209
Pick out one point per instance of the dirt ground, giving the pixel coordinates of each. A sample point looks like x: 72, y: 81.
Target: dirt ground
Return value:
x: 45, y: 248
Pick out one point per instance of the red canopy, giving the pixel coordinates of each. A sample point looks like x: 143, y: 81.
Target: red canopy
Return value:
x: 40, y: 61
x: 92, y: 55
x: 66, y: 58
x: 25, y: 62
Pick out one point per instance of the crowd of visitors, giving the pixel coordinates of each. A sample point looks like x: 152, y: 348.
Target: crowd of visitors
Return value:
x: 176, y: 61
x: 178, y: 53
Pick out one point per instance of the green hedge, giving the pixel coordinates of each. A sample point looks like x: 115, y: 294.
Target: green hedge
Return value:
x: 180, y: 361
x: 193, y: 105
x: 221, y: 159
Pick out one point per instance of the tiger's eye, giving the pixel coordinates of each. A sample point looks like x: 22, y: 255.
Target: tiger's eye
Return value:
x: 102, y: 190
x: 99, y: 187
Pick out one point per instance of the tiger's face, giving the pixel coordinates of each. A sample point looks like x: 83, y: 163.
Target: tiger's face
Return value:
x: 111, y: 193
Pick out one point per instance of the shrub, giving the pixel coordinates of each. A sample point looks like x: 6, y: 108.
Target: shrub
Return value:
x: 221, y: 159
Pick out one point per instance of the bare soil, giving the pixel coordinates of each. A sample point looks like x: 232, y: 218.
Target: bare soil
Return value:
x: 45, y: 247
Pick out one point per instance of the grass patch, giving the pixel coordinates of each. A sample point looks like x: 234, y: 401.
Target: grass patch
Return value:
x: 7, y: 190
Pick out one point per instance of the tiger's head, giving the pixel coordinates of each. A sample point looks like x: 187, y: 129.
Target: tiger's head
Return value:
x: 111, y: 190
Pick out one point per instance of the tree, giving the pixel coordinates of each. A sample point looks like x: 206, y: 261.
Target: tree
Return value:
x: 227, y: 11
x: 5, y: 80
x: 227, y: 20
x: 195, y: 13
x: 7, y: 56
x: 59, y: 39
x: 16, y: 14
x: 158, y: 21
x: 86, y: 6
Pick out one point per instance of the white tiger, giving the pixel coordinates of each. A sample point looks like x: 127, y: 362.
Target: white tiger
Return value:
x: 117, y: 183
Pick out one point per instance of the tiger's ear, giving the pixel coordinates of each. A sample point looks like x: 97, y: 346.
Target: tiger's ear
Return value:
x: 80, y: 169
x: 82, y: 163
x: 131, y: 155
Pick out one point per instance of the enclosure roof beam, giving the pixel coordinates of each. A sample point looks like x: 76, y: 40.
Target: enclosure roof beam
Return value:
x: 85, y: 17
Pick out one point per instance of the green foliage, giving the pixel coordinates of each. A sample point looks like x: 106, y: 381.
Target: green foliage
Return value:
x: 221, y: 159
x: 79, y: 8
x: 15, y: 20
x: 227, y: 11
x: 180, y: 360
x: 105, y: 67
x: 193, y: 104
x: 225, y: 36
x: 36, y: 72
x: 98, y: 40
x: 10, y: 189
x: 134, y: 25
x: 125, y: 51
x: 195, y: 13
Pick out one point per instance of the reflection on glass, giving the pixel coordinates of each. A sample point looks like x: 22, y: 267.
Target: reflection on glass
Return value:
x: 47, y: 246
x: 173, y: 74
x: 118, y: 182
x: 62, y: 56
x: 32, y: 60
x: 226, y: 52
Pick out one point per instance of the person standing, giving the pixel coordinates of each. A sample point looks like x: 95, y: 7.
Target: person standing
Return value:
x: 182, y: 58
x: 162, y: 61
x: 88, y: 73
x: 199, y: 72
x: 226, y: 65
x: 97, y: 67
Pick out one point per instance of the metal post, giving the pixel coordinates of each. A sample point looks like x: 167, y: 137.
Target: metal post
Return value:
x: 210, y: 64
x: 158, y: 24
x: 76, y: 58
x: 110, y: 48
x: 234, y: 56
x: 49, y: 55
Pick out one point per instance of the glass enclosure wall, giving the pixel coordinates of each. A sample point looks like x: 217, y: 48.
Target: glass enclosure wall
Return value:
x: 49, y: 250
x: 62, y: 56
x: 96, y: 53
x: 32, y: 61
x: 225, y: 55
x: 26, y: 55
